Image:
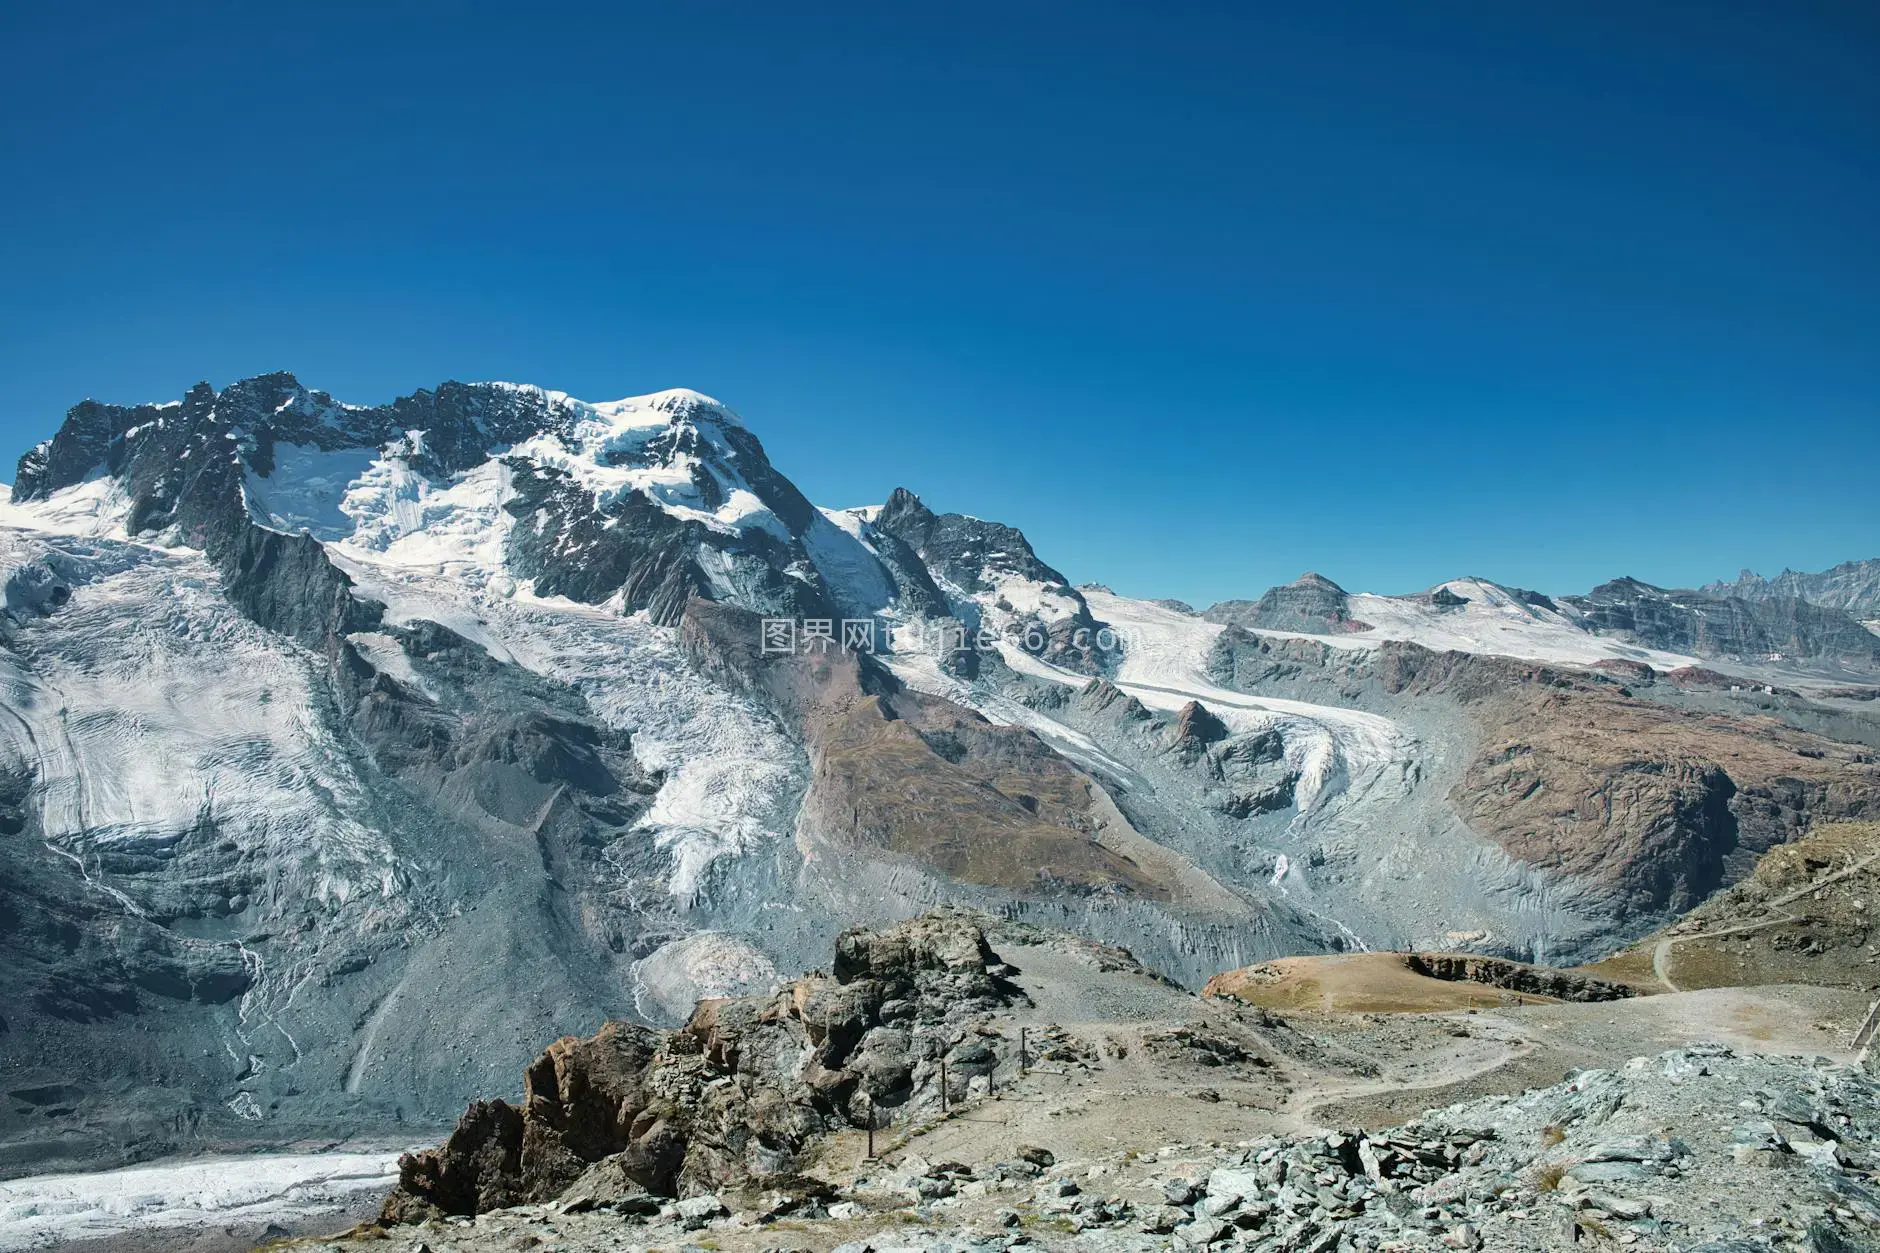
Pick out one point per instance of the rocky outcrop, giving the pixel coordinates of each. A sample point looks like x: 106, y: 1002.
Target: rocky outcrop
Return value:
x: 1496, y: 972
x: 1699, y: 1148
x: 734, y: 1096
x: 1311, y: 603
x: 1195, y: 729
x: 1100, y: 696
x: 1245, y: 661
x: 1626, y: 671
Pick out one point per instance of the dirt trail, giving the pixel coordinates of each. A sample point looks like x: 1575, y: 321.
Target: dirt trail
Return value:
x: 1312, y: 1091
x: 1661, y: 954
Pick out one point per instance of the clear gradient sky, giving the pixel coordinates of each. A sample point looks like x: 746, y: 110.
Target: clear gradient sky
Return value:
x: 1199, y: 296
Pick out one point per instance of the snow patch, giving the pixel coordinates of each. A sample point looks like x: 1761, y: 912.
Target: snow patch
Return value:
x: 208, y: 1192
x: 305, y: 488
x: 95, y: 508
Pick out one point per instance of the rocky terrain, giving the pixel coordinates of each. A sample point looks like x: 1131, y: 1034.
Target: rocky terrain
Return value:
x: 1803, y: 915
x: 631, y: 1139
x: 347, y: 753
x: 1666, y: 1152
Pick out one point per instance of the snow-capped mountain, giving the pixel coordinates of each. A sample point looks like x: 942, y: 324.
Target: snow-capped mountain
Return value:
x: 641, y: 502
x: 348, y: 752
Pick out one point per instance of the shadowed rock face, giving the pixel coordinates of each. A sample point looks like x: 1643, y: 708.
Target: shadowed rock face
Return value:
x: 1516, y: 977
x: 733, y: 1096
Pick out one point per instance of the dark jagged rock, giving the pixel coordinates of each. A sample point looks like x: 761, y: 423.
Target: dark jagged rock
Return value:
x: 1196, y: 727
x: 1102, y: 696
x: 912, y: 580
x: 1495, y: 972
x: 973, y: 555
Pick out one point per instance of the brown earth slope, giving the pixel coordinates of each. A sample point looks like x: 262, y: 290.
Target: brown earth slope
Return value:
x: 898, y: 774
x: 1573, y: 773
x: 1809, y: 913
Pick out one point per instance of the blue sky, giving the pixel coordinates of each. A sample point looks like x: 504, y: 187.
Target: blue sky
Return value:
x: 1200, y: 297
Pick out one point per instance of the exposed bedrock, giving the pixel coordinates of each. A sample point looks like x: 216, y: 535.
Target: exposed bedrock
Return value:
x: 1515, y: 977
x: 736, y: 1094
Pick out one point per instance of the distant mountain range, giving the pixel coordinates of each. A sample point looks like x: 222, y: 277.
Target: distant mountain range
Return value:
x: 1479, y: 616
x: 347, y: 752
x: 1853, y: 587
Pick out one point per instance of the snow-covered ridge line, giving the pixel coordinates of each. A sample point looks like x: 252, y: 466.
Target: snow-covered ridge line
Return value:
x: 1467, y: 615
x: 370, y: 491
x: 1495, y: 623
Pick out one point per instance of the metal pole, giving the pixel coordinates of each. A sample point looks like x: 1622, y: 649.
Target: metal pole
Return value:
x: 943, y: 1083
x: 1023, y: 1060
x: 871, y: 1128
